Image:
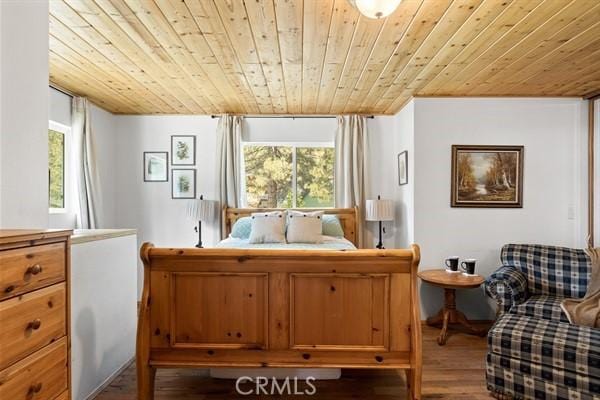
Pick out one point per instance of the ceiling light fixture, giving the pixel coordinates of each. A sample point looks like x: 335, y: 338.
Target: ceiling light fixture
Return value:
x: 375, y: 9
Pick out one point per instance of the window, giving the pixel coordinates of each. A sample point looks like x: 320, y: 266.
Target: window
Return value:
x: 288, y: 175
x: 57, y: 150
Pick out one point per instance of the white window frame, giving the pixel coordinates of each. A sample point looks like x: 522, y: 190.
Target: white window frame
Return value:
x: 294, y: 146
x: 67, y: 176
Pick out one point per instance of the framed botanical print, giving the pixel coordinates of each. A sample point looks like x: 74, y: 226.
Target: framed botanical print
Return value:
x: 156, y: 165
x: 183, y: 150
x: 183, y: 183
x: 403, y: 168
x: 487, y: 176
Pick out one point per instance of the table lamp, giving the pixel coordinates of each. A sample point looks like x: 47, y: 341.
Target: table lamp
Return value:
x: 201, y: 210
x: 380, y: 210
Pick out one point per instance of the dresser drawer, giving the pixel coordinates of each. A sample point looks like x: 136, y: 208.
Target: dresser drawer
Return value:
x: 26, y: 269
x: 41, y: 376
x: 31, y: 321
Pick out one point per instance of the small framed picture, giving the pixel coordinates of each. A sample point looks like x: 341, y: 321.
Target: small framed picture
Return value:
x: 403, y: 168
x: 183, y: 150
x: 156, y: 164
x: 183, y: 183
x: 487, y: 176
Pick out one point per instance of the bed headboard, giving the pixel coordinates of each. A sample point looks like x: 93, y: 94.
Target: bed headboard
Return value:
x: 349, y: 218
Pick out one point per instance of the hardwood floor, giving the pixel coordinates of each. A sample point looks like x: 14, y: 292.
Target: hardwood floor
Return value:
x: 455, y: 371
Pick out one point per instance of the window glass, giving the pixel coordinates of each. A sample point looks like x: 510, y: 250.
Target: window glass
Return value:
x: 314, y: 177
x: 56, y: 168
x: 286, y: 176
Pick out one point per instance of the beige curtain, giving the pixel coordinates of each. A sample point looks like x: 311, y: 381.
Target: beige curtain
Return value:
x: 86, y: 172
x: 229, y: 160
x: 351, y: 166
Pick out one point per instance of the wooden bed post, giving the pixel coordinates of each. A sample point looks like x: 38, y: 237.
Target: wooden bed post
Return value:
x: 145, y: 373
x: 413, y: 375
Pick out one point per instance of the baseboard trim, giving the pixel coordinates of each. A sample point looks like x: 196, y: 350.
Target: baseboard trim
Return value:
x: 109, y: 380
x: 474, y: 321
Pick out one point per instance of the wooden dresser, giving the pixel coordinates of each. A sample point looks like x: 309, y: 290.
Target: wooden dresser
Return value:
x: 34, y: 314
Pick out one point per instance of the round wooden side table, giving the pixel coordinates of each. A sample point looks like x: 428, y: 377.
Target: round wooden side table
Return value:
x: 449, y: 314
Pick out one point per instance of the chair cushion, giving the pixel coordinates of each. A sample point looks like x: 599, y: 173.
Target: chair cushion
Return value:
x: 551, y: 270
x: 562, y: 345
x: 523, y: 379
x: 541, y: 306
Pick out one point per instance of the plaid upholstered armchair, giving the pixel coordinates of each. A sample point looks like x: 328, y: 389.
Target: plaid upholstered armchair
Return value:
x: 533, y: 350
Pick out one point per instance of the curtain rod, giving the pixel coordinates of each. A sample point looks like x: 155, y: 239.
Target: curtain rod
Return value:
x: 292, y: 116
x: 64, y: 91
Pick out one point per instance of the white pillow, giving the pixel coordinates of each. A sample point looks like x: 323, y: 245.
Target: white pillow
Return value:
x: 268, y: 227
x: 305, y: 227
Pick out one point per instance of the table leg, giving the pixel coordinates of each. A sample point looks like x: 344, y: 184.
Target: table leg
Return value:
x: 450, y: 315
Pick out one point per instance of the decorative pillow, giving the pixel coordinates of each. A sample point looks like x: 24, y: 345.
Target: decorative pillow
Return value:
x: 268, y: 227
x: 332, y: 226
x: 242, y: 228
x: 305, y: 227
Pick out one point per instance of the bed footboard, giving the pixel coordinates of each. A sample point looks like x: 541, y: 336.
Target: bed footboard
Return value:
x: 279, y: 308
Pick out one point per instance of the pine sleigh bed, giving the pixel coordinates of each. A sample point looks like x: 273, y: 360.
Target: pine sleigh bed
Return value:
x: 279, y: 308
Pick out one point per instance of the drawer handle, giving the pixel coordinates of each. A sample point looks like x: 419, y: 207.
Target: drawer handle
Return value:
x: 34, y: 325
x: 33, y: 389
x: 34, y: 269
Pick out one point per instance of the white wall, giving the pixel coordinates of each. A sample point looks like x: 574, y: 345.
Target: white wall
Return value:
x: 551, y: 131
x: 103, y: 311
x: 24, y: 114
x: 404, y: 233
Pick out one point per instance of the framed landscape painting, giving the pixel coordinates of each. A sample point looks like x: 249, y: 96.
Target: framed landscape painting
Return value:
x: 156, y: 164
x: 183, y: 184
x: 403, y: 168
x: 487, y: 176
x: 183, y: 150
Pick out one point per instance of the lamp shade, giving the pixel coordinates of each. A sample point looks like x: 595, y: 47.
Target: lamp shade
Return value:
x: 380, y: 210
x: 202, y: 210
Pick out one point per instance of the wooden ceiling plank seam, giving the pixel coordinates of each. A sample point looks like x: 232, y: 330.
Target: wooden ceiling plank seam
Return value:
x: 510, y: 16
x: 94, y: 85
x: 183, y: 24
x: 128, y: 89
x: 515, y: 34
x: 576, y: 43
x: 218, y: 41
x: 261, y: 17
x: 112, y: 22
x: 106, y: 47
x: 478, y: 21
x: 421, y: 28
x: 60, y: 77
x: 563, y: 74
x: 439, y: 36
x: 119, y: 60
x: 547, y: 36
x: 385, y: 47
x: 199, y: 84
x: 574, y: 67
x: 236, y: 27
x: 337, y: 52
x: 150, y: 53
x: 313, y: 56
x: 290, y: 42
x: 358, y: 56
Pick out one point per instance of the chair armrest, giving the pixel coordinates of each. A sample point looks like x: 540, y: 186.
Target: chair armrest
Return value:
x: 508, y: 286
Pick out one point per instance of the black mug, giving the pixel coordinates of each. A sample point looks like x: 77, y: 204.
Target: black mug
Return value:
x: 452, y: 263
x: 468, y: 266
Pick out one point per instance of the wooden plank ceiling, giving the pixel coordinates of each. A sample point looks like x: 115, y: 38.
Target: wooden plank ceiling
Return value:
x: 318, y: 56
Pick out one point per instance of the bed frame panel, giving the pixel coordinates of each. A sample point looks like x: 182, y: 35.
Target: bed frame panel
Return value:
x: 349, y: 218
x: 273, y: 308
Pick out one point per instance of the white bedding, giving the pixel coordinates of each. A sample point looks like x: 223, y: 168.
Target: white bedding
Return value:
x: 329, y: 243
